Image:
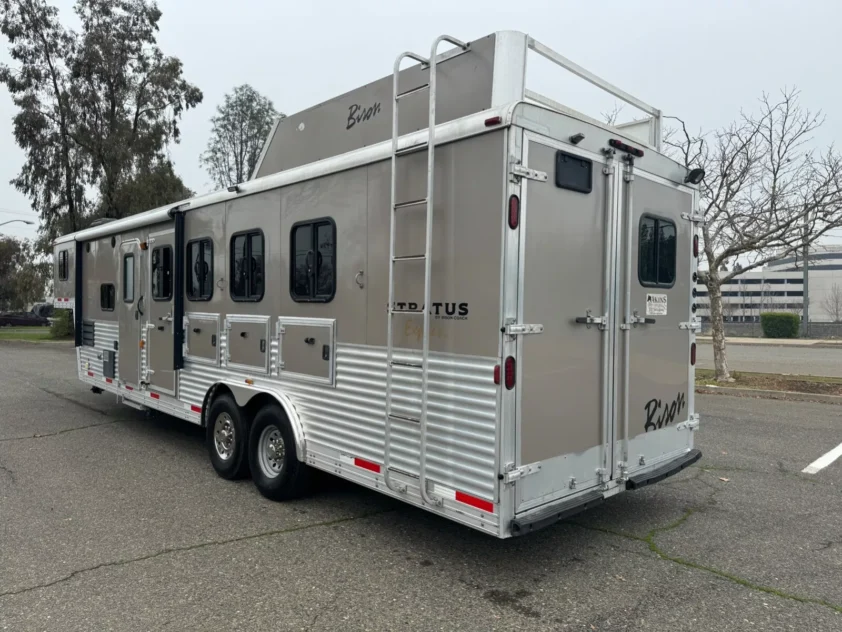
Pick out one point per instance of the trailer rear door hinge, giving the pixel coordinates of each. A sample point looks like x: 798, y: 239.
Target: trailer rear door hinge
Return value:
x: 692, y: 325
x: 520, y: 171
x: 514, y: 329
x: 514, y: 473
x: 694, y: 217
x: 691, y: 424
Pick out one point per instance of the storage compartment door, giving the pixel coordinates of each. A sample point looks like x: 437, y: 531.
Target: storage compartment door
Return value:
x: 563, y: 374
x: 308, y: 349
x: 248, y: 343
x: 201, y: 333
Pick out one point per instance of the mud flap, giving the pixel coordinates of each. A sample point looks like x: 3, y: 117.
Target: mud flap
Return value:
x: 667, y: 469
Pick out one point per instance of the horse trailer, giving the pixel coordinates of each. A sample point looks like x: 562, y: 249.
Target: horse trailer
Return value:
x: 442, y: 286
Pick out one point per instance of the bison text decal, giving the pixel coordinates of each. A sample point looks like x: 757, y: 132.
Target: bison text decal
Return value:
x: 358, y: 114
x: 658, y: 417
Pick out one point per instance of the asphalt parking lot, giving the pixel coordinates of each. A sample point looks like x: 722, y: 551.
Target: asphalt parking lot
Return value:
x: 111, y: 521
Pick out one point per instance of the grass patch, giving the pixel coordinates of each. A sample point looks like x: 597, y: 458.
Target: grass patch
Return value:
x: 35, y: 334
x: 774, y: 382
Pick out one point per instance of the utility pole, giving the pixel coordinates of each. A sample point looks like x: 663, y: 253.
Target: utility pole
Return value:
x: 805, y: 325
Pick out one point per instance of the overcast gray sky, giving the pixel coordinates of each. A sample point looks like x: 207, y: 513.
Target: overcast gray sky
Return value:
x: 702, y: 61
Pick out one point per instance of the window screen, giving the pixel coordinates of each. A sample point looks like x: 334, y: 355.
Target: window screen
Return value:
x: 656, y: 252
x: 128, y: 278
x: 573, y: 172
x: 106, y: 297
x: 313, y: 274
x: 247, y: 266
x: 62, y: 265
x: 162, y: 273
x: 200, y: 270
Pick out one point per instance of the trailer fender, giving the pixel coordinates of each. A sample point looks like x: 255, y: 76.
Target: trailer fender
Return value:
x: 244, y: 394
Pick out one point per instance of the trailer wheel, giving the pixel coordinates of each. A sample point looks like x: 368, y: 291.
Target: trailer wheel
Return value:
x: 275, y: 468
x: 227, y: 438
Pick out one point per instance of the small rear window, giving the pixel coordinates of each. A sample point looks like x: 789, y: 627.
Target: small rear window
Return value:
x: 573, y: 172
x: 656, y: 252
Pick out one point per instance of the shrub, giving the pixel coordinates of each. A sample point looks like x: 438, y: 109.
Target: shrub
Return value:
x: 780, y: 324
x: 62, y: 326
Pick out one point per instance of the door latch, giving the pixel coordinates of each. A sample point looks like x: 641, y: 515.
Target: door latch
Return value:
x: 513, y: 473
x: 588, y: 320
x: 636, y: 319
x: 514, y: 329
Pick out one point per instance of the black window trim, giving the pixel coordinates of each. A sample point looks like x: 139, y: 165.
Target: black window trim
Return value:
x: 63, y: 270
x: 187, y: 268
x: 247, y: 298
x: 163, y: 299
x: 312, y: 222
x: 675, y: 272
x: 114, y: 291
x: 134, y: 273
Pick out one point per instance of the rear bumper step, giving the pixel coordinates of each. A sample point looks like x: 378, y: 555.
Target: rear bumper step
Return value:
x: 546, y: 516
x: 667, y: 469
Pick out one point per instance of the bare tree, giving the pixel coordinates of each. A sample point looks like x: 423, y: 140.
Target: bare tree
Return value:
x: 832, y: 303
x: 613, y: 115
x: 765, y: 195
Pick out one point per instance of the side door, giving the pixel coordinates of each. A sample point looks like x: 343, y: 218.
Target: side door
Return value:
x: 563, y: 417
x: 159, y: 324
x: 654, y: 360
x: 129, y: 305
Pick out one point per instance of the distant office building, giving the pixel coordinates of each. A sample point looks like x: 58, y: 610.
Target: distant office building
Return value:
x: 780, y: 287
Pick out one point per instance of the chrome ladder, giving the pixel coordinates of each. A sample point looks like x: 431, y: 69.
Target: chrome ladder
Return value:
x: 395, y: 208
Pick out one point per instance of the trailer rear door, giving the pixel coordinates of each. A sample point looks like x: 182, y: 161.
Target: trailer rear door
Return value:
x: 564, y: 372
x: 659, y: 271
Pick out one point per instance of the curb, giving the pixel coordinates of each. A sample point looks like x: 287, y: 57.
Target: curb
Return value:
x: 792, y: 396
x: 741, y: 343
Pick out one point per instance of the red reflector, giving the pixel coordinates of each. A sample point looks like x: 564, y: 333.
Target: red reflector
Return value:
x: 367, y: 465
x: 196, y: 409
x: 497, y: 374
x: 90, y: 373
x: 514, y: 211
x: 693, y: 354
x: 154, y: 396
x: 129, y: 388
x: 109, y: 380
x: 479, y: 503
x: 695, y: 245
x: 510, y: 373
x: 494, y: 120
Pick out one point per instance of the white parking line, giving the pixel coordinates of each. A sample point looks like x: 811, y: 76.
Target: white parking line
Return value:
x: 823, y: 461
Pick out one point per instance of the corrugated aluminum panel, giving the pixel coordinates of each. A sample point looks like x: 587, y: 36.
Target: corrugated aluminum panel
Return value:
x: 106, y: 333
x: 350, y: 417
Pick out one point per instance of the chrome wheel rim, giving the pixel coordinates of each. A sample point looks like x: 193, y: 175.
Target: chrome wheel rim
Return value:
x: 271, y: 451
x: 223, y: 436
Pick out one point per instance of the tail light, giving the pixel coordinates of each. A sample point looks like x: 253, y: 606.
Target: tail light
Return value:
x: 497, y: 374
x: 696, y: 246
x: 510, y: 373
x: 693, y: 354
x: 514, y: 211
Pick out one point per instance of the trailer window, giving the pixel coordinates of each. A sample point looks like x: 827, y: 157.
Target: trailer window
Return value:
x: 247, y: 269
x: 128, y: 278
x: 200, y: 270
x: 106, y: 297
x: 656, y: 252
x: 162, y: 273
x: 62, y: 265
x: 313, y: 273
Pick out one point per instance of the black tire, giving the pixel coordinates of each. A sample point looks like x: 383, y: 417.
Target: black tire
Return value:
x: 277, y: 476
x: 227, y: 438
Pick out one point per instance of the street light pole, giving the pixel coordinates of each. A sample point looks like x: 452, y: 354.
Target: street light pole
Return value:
x: 25, y: 221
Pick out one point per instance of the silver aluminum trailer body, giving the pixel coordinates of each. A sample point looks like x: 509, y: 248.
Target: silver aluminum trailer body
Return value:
x: 559, y: 325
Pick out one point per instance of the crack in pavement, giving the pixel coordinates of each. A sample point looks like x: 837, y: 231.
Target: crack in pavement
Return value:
x: 192, y: 547
x: 8, y: 472
x: 649, y: 540
x: 63, y: 431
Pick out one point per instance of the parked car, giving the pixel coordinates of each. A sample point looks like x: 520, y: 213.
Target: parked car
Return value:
x: 22, y: 319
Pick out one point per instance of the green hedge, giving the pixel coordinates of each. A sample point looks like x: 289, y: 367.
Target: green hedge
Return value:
x: 62, y: 326
x: 780, y: 324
